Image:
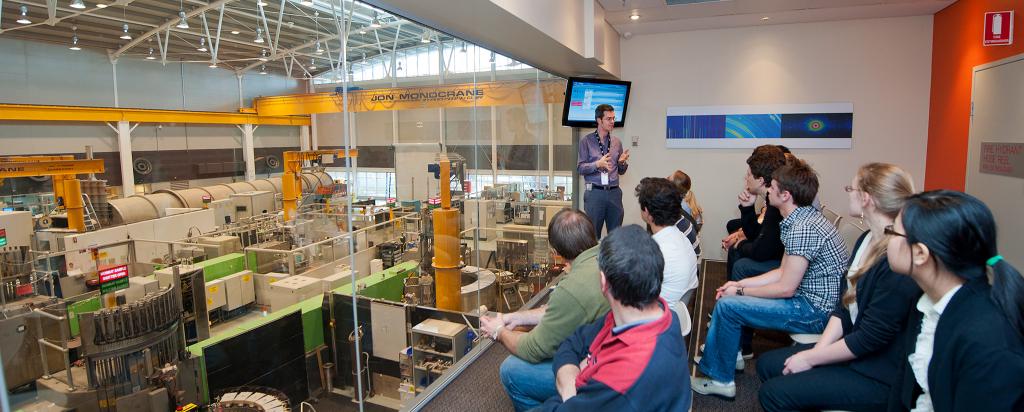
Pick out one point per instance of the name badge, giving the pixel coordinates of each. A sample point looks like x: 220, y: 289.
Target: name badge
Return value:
x: 590, y: 186
x: 604, y: 179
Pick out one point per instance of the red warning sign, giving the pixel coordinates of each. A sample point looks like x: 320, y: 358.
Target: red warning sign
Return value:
x: 998, y: 28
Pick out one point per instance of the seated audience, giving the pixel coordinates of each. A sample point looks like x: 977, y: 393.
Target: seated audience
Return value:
x: 857, y: 353
x: 576, y: 301
x: 963, y: 347
x: 633, y: 358
x: 797, y: 297
x: 659, y: 208
x: 755, y: 247
x: 689, y: 224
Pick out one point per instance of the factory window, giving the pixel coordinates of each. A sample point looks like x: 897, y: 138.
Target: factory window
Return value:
x: 375, y: 184
x: 526, y: 182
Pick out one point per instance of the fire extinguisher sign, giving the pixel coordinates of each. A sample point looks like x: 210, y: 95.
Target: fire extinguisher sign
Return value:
x: 998, y: 28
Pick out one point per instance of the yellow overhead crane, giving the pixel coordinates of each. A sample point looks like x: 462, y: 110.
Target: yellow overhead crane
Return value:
x: 67, y: 189
x: 291, y: 186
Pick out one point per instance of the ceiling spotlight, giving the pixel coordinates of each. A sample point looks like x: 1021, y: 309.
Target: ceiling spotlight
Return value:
x: 765, y: 18
x: 319, y: 50
x: 183, y: 24
x: 312, y: 64
x: 426, y: 37
x: 74, y: 39
x: 308, y: 3
x: 491, y: 60
x: 362, y: 30
x: 259, y: 36
x: 151, y: 56
x: 263, y: 55
x: 124, y: 32
x: 375, y: 23
x: 77, y: 4
x: 634, y: 16
x: 236, y: 31
x: 24, y: 15
x: 101, y: 5
x: 263, y: 69
x: 202, y: 44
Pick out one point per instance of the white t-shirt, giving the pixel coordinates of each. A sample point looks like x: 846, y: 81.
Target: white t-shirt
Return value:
x: 680, y: 263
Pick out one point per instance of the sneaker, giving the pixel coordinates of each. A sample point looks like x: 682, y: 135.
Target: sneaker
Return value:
x: 740, y: 363
x: 707, y: 386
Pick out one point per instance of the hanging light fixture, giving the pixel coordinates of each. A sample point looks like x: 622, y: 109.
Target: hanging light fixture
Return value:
x: 124, y: 32
x: 261, y: 3
x: 263, y: 69
x: 24, y: 16
x: 308, y: 3
x: 77, y: 4
x: 202, y: 44
x: 263, y: 55
x: 319, y: 50
x: 74, y: 39
x: 491, y: 60
x: 362, y: 30
x: 213, y: 65
x: 375, y: 23
x: 399, y: 67
x: 463, y: 49
x: 312, y: 64
x: 426, y: 37
x: 151, y: 55
x: 259, y: 36
x: 183, y: 24
x: 101, y: 5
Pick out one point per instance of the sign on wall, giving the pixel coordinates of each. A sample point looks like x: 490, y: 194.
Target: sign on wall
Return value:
x: 827, y: 125
x: 1002, y: 159
x: 112, y: 279
x: 998, y: 28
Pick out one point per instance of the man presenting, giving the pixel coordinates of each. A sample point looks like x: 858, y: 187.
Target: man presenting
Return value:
x: 601, y: 160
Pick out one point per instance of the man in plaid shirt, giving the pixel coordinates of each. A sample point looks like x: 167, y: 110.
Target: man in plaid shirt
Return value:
x: 797, y: 297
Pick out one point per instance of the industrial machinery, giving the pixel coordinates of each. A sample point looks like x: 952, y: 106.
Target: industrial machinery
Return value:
x: 446, y: 246
x: 67, y: 189
x: 290, y: 184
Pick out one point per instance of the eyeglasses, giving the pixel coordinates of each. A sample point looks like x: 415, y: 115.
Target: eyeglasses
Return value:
x: 849, y: 189
x: 891, y: 232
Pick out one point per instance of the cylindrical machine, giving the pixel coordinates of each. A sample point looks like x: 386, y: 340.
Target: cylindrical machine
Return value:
x: 240, y: 187
x: 447, y: 254
x: 133, y: 209
x: 219, y: 192
x: 163, y: 200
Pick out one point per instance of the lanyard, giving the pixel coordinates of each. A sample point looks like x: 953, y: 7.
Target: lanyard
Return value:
x: 601, y: 146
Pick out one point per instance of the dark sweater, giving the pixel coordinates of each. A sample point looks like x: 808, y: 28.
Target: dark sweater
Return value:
x: 642, y: 368
x: 763, y: 239
x: 977, y: 362
x: 884, y: 300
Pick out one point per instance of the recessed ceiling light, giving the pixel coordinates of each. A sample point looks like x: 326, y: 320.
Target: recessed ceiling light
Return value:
x: 634, y: 16
x: 101, y: 6
x: 765, y: 18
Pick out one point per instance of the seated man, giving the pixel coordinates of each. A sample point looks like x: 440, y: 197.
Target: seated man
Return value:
x: 576, y: 301
x: 660, y: 208
x: 797, y: 297
x: 634, y: 357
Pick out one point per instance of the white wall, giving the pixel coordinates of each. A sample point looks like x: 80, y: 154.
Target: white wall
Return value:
x: 882, y: 66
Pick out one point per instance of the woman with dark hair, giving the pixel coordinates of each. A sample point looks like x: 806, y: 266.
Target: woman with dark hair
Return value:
x: 964, y: 342
x: 856, y: 353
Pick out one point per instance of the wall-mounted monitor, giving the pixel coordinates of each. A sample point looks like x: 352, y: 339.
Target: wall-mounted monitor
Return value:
x: 583, y: 95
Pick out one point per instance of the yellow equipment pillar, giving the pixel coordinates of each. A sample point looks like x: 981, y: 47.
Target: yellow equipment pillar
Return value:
x: 447, y: 277
x: 73, y: 204
x: 291, y: 188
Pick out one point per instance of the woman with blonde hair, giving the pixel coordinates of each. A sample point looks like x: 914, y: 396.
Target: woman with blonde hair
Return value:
x: 691, y: 209
x: 857, y: 353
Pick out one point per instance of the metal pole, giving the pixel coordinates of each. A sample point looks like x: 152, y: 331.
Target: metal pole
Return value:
x: 124, y: 147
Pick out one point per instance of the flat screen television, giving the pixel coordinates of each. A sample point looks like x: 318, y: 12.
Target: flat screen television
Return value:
x: 582, y: 95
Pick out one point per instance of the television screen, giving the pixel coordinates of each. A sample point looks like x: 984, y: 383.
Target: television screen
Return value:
x: 583, y: 95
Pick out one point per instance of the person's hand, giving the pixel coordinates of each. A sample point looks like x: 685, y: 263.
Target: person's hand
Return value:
x: 491, y: 325
x: 733, y: 239
x: 624, y: 156
x: 604, y: 163
x: 728, y: 289
x: 797, y: 363
x: 746, y: 199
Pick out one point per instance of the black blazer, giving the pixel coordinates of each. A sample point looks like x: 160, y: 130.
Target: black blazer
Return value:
x: 978, y: 360
x: 764, y: 240
x: 884, y: 300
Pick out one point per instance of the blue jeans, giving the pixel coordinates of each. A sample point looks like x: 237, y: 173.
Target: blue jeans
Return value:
x: 744, y: 268
x: 794, y: 315
x: 527, y: 384
x: 604, y: 207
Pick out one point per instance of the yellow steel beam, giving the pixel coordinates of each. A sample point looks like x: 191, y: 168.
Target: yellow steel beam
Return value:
x: 11, y: 159
x: 50, y: 168
x: 25, y: 112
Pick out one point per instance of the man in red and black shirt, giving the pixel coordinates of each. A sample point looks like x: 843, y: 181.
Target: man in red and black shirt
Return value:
x: 634, y: 358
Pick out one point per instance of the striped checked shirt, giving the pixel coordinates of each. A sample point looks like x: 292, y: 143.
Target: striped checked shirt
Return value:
x: 806, y: 233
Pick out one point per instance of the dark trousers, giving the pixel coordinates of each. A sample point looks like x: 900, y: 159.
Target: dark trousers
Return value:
x: 742, y: 268
x: 604, y: 207
x: 821, y: 388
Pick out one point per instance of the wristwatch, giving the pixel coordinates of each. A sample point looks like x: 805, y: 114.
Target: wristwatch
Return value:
x: 739, y: 291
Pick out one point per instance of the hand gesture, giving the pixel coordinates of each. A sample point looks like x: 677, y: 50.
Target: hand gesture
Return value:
x: 489, y: 325
x: 724, y: 290
x: 733, y: 239
x: 604, y: 163
x: 796, y: 364
x: 746, y: 199
x: 624, y: 157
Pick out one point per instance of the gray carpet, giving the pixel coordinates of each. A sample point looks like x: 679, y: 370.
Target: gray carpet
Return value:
x: 477, y: 388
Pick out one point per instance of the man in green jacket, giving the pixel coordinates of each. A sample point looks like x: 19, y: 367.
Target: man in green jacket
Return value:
x: 576, y: 301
